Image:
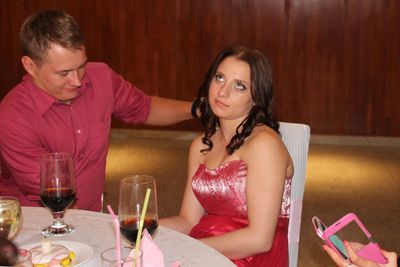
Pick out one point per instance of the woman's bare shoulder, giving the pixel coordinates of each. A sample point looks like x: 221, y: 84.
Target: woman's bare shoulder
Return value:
x: 197, y: 142
x: 196, y: 148
x: 265, y: 146
x: 264, y: 135
x: 265, y: 140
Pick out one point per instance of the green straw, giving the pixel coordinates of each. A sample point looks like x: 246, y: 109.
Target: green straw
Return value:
x: 141, y: 223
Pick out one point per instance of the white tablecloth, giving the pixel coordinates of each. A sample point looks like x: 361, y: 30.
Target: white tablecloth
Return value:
x: 97, y: 230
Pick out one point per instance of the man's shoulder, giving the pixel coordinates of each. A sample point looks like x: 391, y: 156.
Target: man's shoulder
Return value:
x: 97, y: 66
x: 16, y: 104
x: 15, y: 96
x: 99, y: 72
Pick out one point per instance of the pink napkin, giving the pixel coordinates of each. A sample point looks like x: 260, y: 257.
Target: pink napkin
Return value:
x: 151, y: 254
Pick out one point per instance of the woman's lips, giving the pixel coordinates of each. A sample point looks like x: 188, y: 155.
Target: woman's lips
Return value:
x: 221, y: 104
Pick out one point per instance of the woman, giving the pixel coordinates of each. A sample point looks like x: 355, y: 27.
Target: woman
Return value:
x: 237, y: 194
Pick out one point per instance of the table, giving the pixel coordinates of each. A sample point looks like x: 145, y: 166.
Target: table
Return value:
x: 97, y: 230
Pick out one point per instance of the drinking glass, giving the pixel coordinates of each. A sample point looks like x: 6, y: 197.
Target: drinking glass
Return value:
x: 57, y: 189
x: 132, y: 192
x: 10, y: 216
x: 24, y: 259
x: 109, y: 257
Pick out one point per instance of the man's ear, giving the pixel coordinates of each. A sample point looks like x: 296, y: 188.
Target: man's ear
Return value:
x: 29, y: 65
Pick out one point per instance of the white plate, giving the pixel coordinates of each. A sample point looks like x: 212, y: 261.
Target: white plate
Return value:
x: 83, y: 252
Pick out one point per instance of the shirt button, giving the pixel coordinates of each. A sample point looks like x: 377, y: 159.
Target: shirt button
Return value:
x: 78, y: 131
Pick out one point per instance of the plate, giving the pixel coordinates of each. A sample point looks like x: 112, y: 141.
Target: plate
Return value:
x: 83, y: 252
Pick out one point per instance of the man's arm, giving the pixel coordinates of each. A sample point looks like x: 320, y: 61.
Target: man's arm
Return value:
x: 132, y: 105
x: 164, y: 111
x: 20, y: 151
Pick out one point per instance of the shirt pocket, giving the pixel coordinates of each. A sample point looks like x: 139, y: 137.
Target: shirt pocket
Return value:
x: 98, y: 139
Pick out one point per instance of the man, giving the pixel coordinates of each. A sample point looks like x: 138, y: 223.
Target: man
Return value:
x: 65, y: 104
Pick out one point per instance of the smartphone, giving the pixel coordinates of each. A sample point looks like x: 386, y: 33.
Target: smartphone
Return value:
x: 349, y: 227
x: 335, y: 241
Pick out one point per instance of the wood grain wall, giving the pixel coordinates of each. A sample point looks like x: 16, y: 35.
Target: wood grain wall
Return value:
x: 336, y: 63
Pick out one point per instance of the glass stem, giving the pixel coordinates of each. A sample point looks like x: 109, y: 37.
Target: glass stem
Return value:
x: 58, y: 219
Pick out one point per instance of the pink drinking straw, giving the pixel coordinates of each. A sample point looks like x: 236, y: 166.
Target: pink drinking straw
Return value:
x: 116, y: 224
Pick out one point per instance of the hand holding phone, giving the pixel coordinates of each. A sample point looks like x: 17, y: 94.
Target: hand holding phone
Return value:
x: 348, y: 228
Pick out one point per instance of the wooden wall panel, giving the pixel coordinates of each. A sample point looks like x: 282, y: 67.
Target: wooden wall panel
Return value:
x: 336, y: 63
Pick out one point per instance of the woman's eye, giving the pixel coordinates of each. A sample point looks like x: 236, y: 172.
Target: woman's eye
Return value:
x: 240, y: 86
x: 219, y: 77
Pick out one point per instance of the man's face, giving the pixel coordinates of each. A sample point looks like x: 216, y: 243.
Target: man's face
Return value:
x: 61, y: 72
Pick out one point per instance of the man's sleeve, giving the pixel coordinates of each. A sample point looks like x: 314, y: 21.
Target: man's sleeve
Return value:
x: 130, y: 104
x: 21, y: 149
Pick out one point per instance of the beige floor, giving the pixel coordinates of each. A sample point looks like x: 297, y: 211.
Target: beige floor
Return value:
x: 360, y: 175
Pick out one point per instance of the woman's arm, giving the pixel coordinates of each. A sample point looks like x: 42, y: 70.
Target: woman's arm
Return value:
x: 191, y: 210
x: 268, y: 162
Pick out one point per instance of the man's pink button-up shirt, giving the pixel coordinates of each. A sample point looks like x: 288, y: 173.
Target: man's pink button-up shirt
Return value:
x: 32, y: 123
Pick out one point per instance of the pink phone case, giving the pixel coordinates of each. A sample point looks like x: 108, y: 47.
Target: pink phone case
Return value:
x: 371, y: 251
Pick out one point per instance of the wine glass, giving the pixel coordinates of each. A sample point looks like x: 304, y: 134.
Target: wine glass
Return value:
x: 57, y: 189
x: 10, y: 216
x: 132, y: 192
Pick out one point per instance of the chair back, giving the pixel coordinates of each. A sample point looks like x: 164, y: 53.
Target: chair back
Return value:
x: 296, y: 137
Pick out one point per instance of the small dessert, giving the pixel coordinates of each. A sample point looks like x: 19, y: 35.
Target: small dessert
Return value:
x: 51, y: 255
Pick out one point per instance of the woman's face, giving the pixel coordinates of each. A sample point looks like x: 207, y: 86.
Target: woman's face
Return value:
x: 229, y: 93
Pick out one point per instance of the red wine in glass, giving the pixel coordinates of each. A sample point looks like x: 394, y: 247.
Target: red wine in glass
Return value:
x: 57, y: 189
x: 130, y: 227
x: 132, y: 192
x: 57, y: 199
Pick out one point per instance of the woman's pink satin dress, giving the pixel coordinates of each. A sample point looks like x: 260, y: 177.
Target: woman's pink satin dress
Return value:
x: 222, y: 193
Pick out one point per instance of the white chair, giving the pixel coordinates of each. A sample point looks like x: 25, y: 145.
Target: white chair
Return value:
x: 296, y: 138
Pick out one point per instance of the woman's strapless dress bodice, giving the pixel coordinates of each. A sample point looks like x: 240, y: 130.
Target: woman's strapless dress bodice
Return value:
x: 222, y: 194
x: 222, y: 190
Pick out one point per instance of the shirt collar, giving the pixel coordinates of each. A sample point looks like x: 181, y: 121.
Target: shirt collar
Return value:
x: 42, y: 100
